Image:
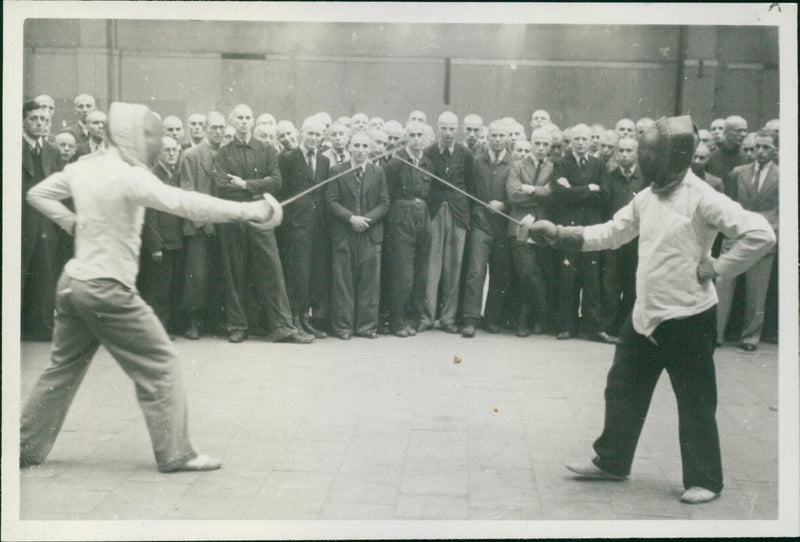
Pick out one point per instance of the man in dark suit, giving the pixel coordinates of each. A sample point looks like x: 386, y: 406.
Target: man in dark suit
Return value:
x: 305, y: 254
x: 40, y: 268
x: 528, y: 189
x: 162, y: 241
x: 83, y: 104
x: 173, y: 127
x: 756, y: 188
x: 699, y: 163
x: 244, y: 169
x: 449, y: 211
x: 358, y: 202
x: 96, y: 128
x: 729, y: 152
x: 619, y: 265
x: 202, y: 292
x: 579, y: 199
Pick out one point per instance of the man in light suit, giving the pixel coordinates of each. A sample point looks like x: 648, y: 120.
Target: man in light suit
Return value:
x: 528, y: 190
x: 358, y: 202
x: 40, y: 237
x: 756, y: 188
x: 202, y: 294
x: 304, y: 253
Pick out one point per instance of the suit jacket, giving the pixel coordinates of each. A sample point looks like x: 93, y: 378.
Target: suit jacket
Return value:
x: 331, y: 155
x: 195, y: 175
x: 35, y: 224
x: 715, y: 182
x: 406, y: 182
x: 458, y: 171
x: 77, y: 131
x: 83, y: 149
x: 577, y: 205
x: 522, y: 172
x: 763, y: 201
x: 162, y: 231
x: 346, y: 199
x: 490, y: 184
x: 297, y: 176
x: 620, y: 190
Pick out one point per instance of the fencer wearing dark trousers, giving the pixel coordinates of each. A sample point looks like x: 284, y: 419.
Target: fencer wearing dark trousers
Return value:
x: 673, y: 323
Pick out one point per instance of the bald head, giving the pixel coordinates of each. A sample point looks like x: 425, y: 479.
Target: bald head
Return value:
x: 625, y: 128
x: 241, y: 118
x: 735, y: 131
x: 540, y: 118
x: 312, y: 131
x: 83, y: 104
x: 447, y: 126
x: 359, y: 122
x: 417, y: 116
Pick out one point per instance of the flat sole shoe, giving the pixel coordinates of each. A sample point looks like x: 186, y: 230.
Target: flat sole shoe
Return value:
x: 200, y: 463
x: 593, y: 472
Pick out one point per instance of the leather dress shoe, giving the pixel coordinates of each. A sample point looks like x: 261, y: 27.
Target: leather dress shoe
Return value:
x: 424, y: 326
x: 402, y: 332
x: 603, y: 337
x: 344, y: 335
x: 747, y: 347
x: 591, y: 471
x: 522, y: 331
x: 237, y: 336
x: 450, y: 328
x: 492, y: 328
x: 298, y: 337
x: 411, y: 331
x: 468, y: 331
x: 193, y: 333
x: 369, y: 335
x: 698, y: 495
x: 307, y: 326
x: 564, y: 335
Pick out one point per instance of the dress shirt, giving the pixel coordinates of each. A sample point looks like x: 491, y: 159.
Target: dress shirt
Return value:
x: 676, y: 232
x: 110, y: 197
x: 760, y: 175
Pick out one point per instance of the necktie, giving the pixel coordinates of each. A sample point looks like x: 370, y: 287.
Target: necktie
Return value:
x: 583, y: 162
x: 756, y: 177
x: 311, y: 162
x: 536, y: 173
x: 359, y: 175
x: 38, y: 170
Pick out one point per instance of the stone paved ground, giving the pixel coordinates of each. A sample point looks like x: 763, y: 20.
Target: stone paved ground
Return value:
x: 395, y: 429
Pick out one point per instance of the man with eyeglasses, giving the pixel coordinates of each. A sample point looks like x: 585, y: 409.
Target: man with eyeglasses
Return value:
x: 162, y: 241
x: 202, y: 290
x: 409, y: 233
x: 756, y: 188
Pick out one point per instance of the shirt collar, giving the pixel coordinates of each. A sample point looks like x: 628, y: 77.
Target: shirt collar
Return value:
x: 411, y: 154
x: 631, y: 170
x: 451, y: 148
x: 494, y: 158
x: 307, y: 150
x: 245, y: 142
x: 578, y: 158
x: 31, y: 141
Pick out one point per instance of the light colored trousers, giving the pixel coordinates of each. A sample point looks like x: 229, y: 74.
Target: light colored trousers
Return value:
x: 755, y: 296
x: 447, y: 251
x: 104, y: 311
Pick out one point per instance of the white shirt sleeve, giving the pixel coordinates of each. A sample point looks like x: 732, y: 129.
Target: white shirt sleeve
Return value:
x: 149, y: 191
x: 621, y: 229
x: 46, y: 198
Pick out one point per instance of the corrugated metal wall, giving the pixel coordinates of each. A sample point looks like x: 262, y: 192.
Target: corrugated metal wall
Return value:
x: 578, y: 73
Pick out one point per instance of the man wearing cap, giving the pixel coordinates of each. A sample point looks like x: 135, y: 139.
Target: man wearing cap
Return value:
x: 673, y: 323
x: 97, y: 302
